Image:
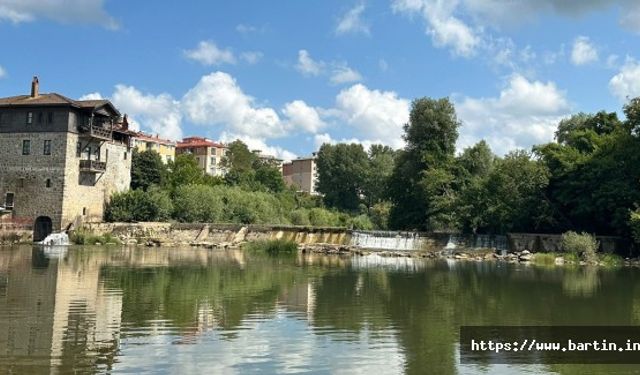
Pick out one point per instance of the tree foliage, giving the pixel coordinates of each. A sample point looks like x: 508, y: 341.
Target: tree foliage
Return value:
x: 147, y: 169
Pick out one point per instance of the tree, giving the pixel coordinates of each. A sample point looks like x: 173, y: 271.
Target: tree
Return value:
x: 184, y: 170
x: 381, y: 162
x: 138, y: 205
x: 147, y: 169
x: 248, y: 170
x: 634, y: 223
x: 420, y: 186
x: 342, y: 170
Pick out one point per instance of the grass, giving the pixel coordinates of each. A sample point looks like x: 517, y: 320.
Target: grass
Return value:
x: 545, y: 259
x: 83, y: 237
x: 273, y: 246
x: 610, y: 260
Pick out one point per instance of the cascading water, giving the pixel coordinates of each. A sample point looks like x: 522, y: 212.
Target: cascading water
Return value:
x: 56, y: 239
x: 386, y: 240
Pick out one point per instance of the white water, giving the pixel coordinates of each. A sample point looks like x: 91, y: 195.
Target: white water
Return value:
x: 56, y: 239
x: 386, y: 240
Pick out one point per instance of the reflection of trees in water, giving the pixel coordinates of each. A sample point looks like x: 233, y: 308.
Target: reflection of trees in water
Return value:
x: 581, y: 281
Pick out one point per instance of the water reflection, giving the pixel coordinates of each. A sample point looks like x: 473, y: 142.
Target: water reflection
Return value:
x: 180, y: 310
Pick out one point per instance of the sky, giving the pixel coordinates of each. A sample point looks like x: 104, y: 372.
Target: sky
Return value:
x: 286, y: 76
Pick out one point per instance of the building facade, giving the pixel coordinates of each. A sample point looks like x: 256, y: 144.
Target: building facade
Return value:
x: 166, y: 148
x: 208, y: 153
x: 301, y: 174
x: 60, y: 159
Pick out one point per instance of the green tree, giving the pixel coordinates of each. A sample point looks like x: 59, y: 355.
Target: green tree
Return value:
x: 634, y: 223
x: 184, y: 170
x: 342, y: 170
x: 138, y: 205
x: 420, y: 186
x: 147, y: 169
x: 380, y: 168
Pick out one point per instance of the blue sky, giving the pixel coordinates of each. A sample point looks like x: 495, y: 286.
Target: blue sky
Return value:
x: 286, y: 76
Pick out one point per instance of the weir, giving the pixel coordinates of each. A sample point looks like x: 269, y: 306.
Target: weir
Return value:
x: 413, y: 241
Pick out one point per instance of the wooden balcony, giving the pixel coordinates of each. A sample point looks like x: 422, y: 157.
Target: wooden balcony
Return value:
x: 98, y: 132
x: 93, y: 166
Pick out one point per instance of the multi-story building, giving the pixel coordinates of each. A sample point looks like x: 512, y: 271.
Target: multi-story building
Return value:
x: 60, y: 159
x: 301, y: 173
x: 208, y: 153
x: 166, y: 148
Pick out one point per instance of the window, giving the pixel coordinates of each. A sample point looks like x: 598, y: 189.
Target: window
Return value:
x: 47, y: 147
x: 79, y: 149
x: 125, y: 155
x: 29, y: 117
x: 8, y: 201
x: 26, y: 147
x: 40, y: 117
x: 48, y: 182
x: 96, y: 153
x: 50, y: 117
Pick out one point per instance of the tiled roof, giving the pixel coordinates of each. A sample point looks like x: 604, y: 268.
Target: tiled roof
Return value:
x: 150, y: 138
x: 51, y: 99
x: 198, y: 142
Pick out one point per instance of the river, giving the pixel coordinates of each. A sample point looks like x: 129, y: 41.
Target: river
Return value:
x: 168, y: 310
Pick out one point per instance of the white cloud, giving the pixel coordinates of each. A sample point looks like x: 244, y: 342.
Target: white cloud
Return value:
x: 583, y: 52
x: 445, y: 29
x: 158, y: 113
x: 3, y: 73
x: 342, y: 73
x: 612, y: 61
x: 301, y: 116
x: 307, y: 65
x: 63, y: 11
x: 255, y: 143
x: 91, y: 96
x: 525, y: 113
x: 251, y: 57
x: 246, y: 29
x: 217, y: 100
x: 378, y: 115
x: 320, y: 139
x: 626, y: 84
x: 207, y: 53
x: 352, y: 22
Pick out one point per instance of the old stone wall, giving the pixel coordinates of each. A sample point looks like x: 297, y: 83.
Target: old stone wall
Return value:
x: 36, y: 180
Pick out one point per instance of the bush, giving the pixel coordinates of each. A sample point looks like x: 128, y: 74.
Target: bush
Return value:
x: 611, y: 260
x: 273, y: 246
x: 322, y: 217
x: 300, y: 217
x: 197, y: 203
x: 545, y: 259
x: 361, y: 222
x: 634, y: 223
x: 136, y: 205
x: 583, y: 243
x: 380, y: 215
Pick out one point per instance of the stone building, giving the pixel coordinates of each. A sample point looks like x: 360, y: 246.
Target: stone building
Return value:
x: 60, y: 159
x: 166, y: 148
x: 301, y: 173
x: 208, y: 154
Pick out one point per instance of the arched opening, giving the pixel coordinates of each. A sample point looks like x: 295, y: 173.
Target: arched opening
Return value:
x: 42, y: 228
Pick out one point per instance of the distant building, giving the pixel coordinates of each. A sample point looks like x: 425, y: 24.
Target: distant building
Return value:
x: 164, y: 147
x: 60, y: 159
x: 208, y: 153
x: 301, y: 173
x: 268, y: 158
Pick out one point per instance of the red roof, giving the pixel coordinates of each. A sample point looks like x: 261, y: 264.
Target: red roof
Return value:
x: 198, y: 142
x: 150, y: 138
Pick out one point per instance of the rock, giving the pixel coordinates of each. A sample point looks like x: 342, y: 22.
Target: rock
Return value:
x: 461, y: 256
x: 525, y: 252
x: 490, y: 256
x: 525, y: 257
x: 559, y: 261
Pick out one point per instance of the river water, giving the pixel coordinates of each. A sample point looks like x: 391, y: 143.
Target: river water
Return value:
x: 161, y: 310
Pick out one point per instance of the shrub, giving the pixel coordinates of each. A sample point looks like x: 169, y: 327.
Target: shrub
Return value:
x: 273, y: 246
x: 611, y: 260
x: 361, y: 222
x: 136, y: 205
x: 300, y: 217
x: 322, y: 217
x: 197, y: 203
x: 544, y: 259
x: 583, y: 243
x: 380, y: 215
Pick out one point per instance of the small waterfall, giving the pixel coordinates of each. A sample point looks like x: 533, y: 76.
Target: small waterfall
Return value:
x: 386, y: 240
x: 56, y: 239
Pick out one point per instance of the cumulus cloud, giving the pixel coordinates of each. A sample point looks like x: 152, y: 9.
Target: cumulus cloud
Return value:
x: 302, y: 116
x: 159, y: 113
x: 525, y: 113
x: 307, y: 65
x: 91, y: 96
x: 70, y: 12
x: 380, y: 115
x: 626, y: 84
x: 256, y: 143
x: 445, y: 29
x: 352, y: 22
x: 209, y: 54
x: 583, y: 52
x: 342, y: 73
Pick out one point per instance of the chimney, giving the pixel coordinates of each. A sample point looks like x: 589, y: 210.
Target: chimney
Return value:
x: 35, y: 87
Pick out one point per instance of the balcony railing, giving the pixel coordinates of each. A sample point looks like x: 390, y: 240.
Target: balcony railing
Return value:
x: 97, y: 131
x: 93, y: 166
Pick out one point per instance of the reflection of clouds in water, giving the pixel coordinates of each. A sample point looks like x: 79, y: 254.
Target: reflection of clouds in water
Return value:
x: 283, y: 344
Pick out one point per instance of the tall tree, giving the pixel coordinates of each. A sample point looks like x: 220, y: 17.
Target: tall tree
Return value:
x: 342, y: 170
x: 420, y: 186
x: 379, y: 170
x: 147, y: 169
